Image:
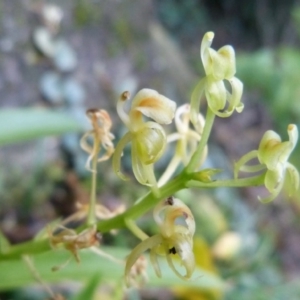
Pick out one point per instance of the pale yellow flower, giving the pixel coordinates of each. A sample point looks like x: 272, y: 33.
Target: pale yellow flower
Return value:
x: 177, y: 227
x: 219, y: 66
x: 148, y: 139
x: 273, y: 155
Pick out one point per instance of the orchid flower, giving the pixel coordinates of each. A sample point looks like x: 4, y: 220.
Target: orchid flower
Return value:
x: 177, y: 227
x: 101, y: 135
x: 148, y: 139
x: 187, y: 140
x: 218, y: 66
x: 273, y: 155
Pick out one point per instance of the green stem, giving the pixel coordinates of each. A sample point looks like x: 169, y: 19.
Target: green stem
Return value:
x: 91, y: 219
x: 194, y: 162
x: 243, y: 182
x: 137, y: 231
x: 146, y: 203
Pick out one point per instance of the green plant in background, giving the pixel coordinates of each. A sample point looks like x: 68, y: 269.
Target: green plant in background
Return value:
x: 175, y: 220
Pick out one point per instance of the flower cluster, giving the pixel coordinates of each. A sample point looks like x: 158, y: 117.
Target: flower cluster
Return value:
x: 273, y: 155
x: 143, y: 119
x: 177, y: 227
x: 218, y: 66
x: 148, y: 139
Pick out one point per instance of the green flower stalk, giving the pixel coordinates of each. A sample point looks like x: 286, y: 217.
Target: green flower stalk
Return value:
x: 273, y: 155
x: 101, y: 136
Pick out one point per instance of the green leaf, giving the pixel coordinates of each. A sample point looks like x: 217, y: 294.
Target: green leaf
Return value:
x: 90, y: 289
x: 15, y: 273
x: 4, y: 243
x: 29, y: 123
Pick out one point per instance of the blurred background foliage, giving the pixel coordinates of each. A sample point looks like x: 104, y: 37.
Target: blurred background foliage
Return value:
x: 51, y: 72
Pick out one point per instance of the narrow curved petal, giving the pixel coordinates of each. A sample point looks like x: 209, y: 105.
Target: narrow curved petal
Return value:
x: 205, y: 53
x: 185, y: 252
x: 235, y: 96
x: 116, y: 161
x: 138, y: 250
x: 238, y: 166
x: 195, y: 103
x: 154, y: 105
x: 84, y: 144
x: 273, y: 195
x: 88, y: 148
x: 166, y: 212
x: 292, y: 178
x: 154, y: 262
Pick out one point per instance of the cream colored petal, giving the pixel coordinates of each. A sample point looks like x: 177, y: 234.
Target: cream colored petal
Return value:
x: 182, y: 118
x: 159, y: 209
x: 273, y: 179
x: 205, y: 53
x: 150, y: 142
x: 155, y: 106
x: 184, y: 248
x: 268, y: 143
x: 273, y: 195
x: 195, y: 104
x: 143, y: 173
x: 236, y: 95
x: 242, y: 162
x: 234, y: 98
x: 216, y: 95
x: 166, y: 213
x: 222, y: 63
x: 137, y: 251
x: 292, y: 179
x: 120, y: 109
x: 137, y: 166
x: 225, y: 67
x: 154, y: 262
